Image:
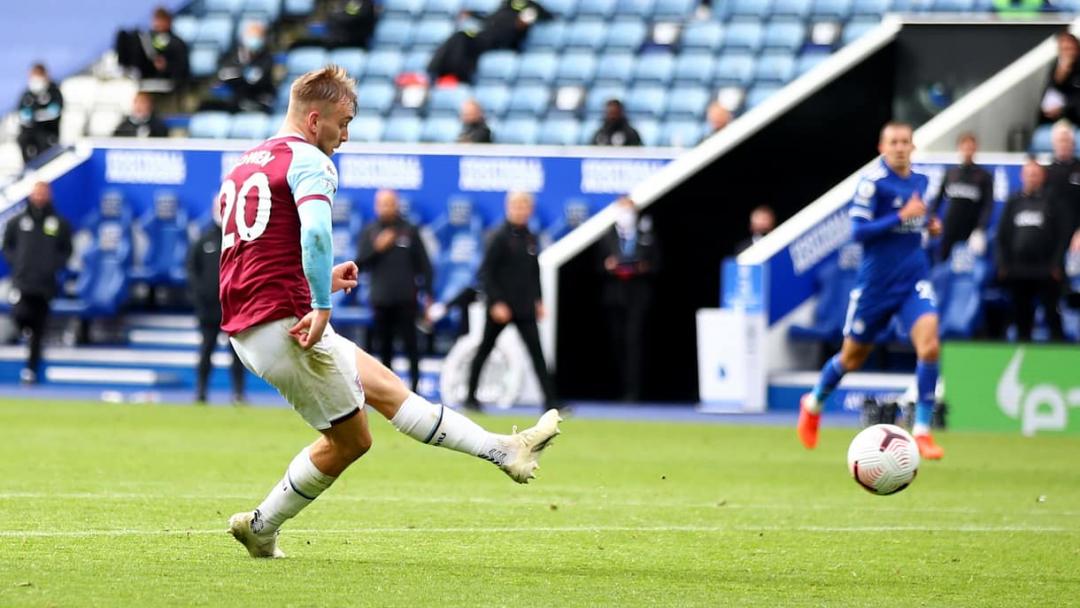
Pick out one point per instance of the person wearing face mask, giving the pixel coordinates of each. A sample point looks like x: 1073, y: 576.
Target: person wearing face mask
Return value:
x: 510, y: 278
x: 762, y: 222
x: 142, y: 122
x: 616, y: 130
x: 157, y: 54
x: 39, y: 114
x: 248, y: 71
x: 37, y: 245
x: 630, y: 258
x: 203, y: 259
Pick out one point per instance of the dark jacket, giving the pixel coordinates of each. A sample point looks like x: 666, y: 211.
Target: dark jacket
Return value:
x: 203, y: 275
x: 475, y: 133
x: 637, y: 264
x: 1070, y: 90
x: 41, y: 113
x: 1031, y: 237
x: 398, y: 273
x: 970, y: 192
x: 37, y: 245
x: 151, y: 127
x: 250, y: 76
x: 618, y: 133
x: 175, y: 51
x: 1063, y: 188
x: 506, y: 28
x: 510, y: 272
x: 350, y: 23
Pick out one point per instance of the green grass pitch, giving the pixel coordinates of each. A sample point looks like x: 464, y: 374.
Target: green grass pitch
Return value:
x: 107, y: 505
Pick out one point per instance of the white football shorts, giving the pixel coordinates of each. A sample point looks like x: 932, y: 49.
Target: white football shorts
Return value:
x: 321, y: 383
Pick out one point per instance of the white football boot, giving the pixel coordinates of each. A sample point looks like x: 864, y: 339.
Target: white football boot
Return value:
x: 243, y: 525
x: 528, y: 444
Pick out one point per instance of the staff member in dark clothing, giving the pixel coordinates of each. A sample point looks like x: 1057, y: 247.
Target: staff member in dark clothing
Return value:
x: 37, y: 245
x: 510, y: 276
x: 391, y: 250
x: 1030, y: 249
x: 158, y: 54
x: 969, y: 190
x: 203, y: 260
x: 474, y: 128
x: 1063, y: 178
x: 1061, y: 98
x: 506, y: 28
x: 350, y: 23
x: 142, y: 122
x: 616, y: 130
x: 248, y: 71
x: 630, y: 257
x: 39, y: 114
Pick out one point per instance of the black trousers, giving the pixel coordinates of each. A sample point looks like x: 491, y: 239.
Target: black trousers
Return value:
x: 210, y: 331
x: 32, y: 142
x: 31, y: 314
x: 400, y: 321
x: 626, y: 325
x: 1024, y: 294
x: 531, y: 336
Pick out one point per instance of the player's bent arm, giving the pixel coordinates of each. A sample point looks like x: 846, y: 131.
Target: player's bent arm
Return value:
x: 317, y: 250
x: 863, y: 229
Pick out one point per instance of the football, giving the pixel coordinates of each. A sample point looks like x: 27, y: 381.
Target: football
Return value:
x: 883, y: 458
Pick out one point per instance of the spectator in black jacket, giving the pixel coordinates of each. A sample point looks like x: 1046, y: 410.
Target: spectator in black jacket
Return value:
x: 142, y: 122
x: 1063, y: 179
x: 158, y: 54
x: 630, y: 258
x: 391, y: 250
x: 762, y: 222
x: 37, y: 245
x: 1030, y: 251
x: 510, y: 277
x: 474, y: 128
x: 616, y: 130
x: 969, y: 190
x: 506, y: 28
x: 1061, y: 98
x: 248, y: 71
x: 350, y: 23
x: 203, y: 259
x: 39, y: 114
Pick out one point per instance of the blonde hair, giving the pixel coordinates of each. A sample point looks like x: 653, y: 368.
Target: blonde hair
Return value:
x: 330, y: 84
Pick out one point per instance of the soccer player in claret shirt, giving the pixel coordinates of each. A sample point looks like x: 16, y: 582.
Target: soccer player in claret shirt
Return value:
x: 276, y: 281
x: 888, y: 217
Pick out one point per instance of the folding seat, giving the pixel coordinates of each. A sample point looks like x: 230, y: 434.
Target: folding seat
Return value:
x: 774, y: 69
x: 497, y: 67
x: 702, y: 36
x: 734, y: 69
x: 654, y: 68
x: 249, y: 125
x: 687, y: 103
x: 210, y: 125
x: 575, y: 68
x: 440, y: 130
x: 614, y: 69
x: 744, y: 35
x: 350, y: 59
x: 402, y: 129
x: 396, y: 32
x: 784, y: 35
x: 625, y: 36
x: 518, y: 131
x: 559, y: 132
x: 693, y: 68
x: 537, y: 68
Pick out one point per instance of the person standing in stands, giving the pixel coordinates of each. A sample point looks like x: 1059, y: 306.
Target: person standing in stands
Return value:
x: 37, y: 245
x: 1063, y: 179
x: 1061, y: 98
x: 142, y: 122
x: 39, y: 114
x: 392, y: 251
x: 762, y: 222
x: 510, y: 277
x: 159, y: 54
x: 616, y: 130
x: 969, y: 190
x: 1030, y: 252
x: 630, y: 258
x: 248, y: 71
x: 474, y: 128
x: 203, y: 260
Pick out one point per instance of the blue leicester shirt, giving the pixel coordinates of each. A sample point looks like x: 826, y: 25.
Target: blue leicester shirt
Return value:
x: 893, y: 256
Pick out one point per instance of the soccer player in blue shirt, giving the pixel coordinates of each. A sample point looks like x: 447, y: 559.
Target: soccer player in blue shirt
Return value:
x: 888, y: 217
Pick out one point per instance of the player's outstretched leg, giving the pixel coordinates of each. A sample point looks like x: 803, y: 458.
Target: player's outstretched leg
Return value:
x: 812, y: 403
x: 516, y: 454
x: 924, y: 336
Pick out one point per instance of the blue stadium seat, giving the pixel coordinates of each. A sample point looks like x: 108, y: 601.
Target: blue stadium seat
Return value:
x: 164, y: 226
x: 693, y: 68
x: 350, y: 59
x: 588, y: 130
x: 959, y: 284
x: 203, y: 60
x: 702, y: 36
x: 681, y: 133
x: 756, y: 9
x: 440, y: 130
x: 249, y: 125
x: 529, y: 100
x: 760, y: 93
x: 835, y: 280
x: 402, y: 8
x: 494, y: 98
x: 599, y: 95
x: 432, y: 32
x: 734, y: 69
x: 366, y: 128
x: 537, y: 68
x: 673, y: 10
x: 480, y: 7
x: 298, y: 8
x: 345, y: 225
x: 1040, y: 140
x: 584, y: 34
x: 395, y: 32
x: 270, y: 8
x: 563, y: 9
x: 869, y: 8
x: 599, y: 9
x: 375, y: 97
x: 646, y: 101
x: 654, y: 68
x: 559, y: 132
x: 102, y: 285
x: 216, y: 30
x: 457, y: 266
x: 518, y: 131
x: 855, y: 29
x: 281, y: 104
x: 222, y: 6
x: 497, y: 67
x: 545, y: 36
x: 446, y: 101
x: 744, y: 35
x: 784, y: 35
x: 953, y: 6
x: 416, y: 61
x: 774, y: 69
x: 625, y: 36
x: 638, y: 10
x: 686, y: 103
x: 212, y: 125
x: 838, y: 10
x: 807, y: 61
x: 575, y: 68
x: 798, y: 9
x: 649, y: 130
x: 442, y: 8
x: 304, y: 59
x: 186, y: 27
x: 614, y: 68
x: 383, y: 64
x: 403, y: 129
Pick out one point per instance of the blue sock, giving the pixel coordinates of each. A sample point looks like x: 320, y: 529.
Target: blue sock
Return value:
x: 830, y: 377
x: 926, y: 375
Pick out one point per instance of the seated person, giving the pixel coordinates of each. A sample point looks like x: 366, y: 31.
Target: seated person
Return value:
x: 142, y: 122
x: 506, y: 28
x: 248, y: 71
x: 616, y: 130
x: 158, y: 54
x: 474, y: 129
x: 1061, y: 99
x: 350, y: 23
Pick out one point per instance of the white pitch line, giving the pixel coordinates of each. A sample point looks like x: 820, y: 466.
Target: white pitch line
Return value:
x: 547, y: 530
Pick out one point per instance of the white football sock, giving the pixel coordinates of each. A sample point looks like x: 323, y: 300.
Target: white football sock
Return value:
x: 301, y: 485
x: 438, y: 425
x: 920, y: 429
